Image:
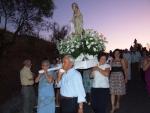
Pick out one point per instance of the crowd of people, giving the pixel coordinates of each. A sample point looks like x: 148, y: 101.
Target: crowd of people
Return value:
x: 69, y: 88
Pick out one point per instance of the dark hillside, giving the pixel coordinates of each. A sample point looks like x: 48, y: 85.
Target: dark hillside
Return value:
x: 11, y: 62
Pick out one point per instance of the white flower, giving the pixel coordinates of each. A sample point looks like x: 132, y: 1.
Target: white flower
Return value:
x: 91, y: 38
x: 87, y: 42
x: 92, y: 43
x: 67, y: 49
x: 72, y: 43
x: 89, y: 46
x: 72, y: 50
x: 72, y: 46
x: 94, y: 49
x: 77, y: 46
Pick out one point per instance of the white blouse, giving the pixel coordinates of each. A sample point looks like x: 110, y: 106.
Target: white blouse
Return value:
x: 100, y: 80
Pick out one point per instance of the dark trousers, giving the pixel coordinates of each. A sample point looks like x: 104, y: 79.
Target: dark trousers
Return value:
x: 99, y: 99
x: 69, y: 105
x: 135, y: 71
x: 28, y: 96
x: 142, y: 75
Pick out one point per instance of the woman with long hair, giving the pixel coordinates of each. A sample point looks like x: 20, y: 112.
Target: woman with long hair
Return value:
x: 118, y: 79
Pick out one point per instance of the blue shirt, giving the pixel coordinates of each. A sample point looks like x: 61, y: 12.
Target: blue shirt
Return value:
x: 71, y: 85
x: 46, y: 89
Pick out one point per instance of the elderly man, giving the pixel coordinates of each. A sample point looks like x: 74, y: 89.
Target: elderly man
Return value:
x: 27, y: 82
x: 71, y: 87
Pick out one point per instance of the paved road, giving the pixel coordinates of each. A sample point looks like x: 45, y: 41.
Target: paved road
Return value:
x: 136, y: 100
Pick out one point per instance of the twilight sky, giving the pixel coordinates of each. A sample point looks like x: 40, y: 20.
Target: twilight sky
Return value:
x: 119, y: 20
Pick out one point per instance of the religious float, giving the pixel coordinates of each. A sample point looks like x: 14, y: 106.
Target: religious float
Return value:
x: 83, y: 44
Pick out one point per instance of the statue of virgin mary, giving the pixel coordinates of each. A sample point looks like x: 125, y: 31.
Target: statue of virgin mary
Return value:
x: 77, y: 19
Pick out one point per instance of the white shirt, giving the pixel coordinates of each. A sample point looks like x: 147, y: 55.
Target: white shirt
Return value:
x: 101, y: 81
x: 71, y: 85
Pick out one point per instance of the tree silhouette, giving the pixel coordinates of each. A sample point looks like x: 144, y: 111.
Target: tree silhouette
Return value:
x: 58, y: 33
x: 24, y: 16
